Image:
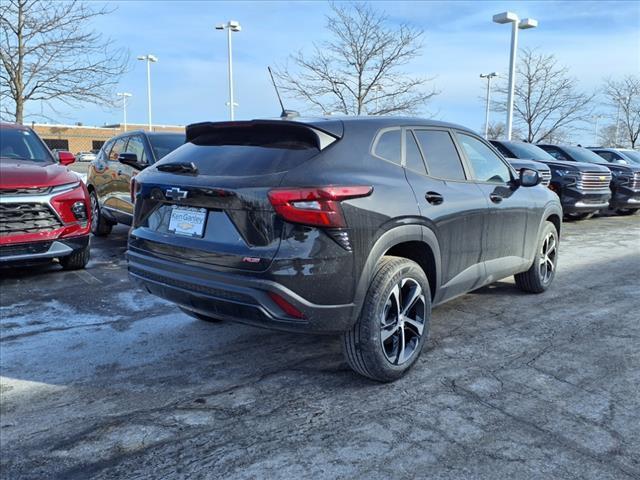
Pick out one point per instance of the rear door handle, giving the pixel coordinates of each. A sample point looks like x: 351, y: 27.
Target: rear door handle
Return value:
x: 434, y: 198
x: 495, y: 198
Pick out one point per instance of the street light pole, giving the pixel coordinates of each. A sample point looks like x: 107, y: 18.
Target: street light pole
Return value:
x: 488, y: 76
x: 595, y: 133
x: 149, y: 59
x: 124, y: 96
x: 510, y: 17
x: 230, y: 26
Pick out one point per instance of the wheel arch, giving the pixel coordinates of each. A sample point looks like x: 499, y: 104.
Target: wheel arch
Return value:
x: 414, y: 242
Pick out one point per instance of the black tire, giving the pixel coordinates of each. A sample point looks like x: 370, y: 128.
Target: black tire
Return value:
x: 627, y: 211
x: 364, y: 348
x: 100, y: 226
x: 199, y: 316
x: 77, y: 260
x: 580, y: 216
x: 538, y: 278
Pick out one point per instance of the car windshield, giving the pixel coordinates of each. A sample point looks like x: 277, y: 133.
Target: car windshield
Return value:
x: 166, y: 143
x: 580, y: 154
x: 528, y: 151
x: 632, y: 155
x: 18, y: 144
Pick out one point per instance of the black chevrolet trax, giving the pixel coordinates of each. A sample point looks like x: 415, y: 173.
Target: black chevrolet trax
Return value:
x: 353, y: 226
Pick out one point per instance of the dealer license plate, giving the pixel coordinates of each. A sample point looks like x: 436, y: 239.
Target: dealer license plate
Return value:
x: 187, y: 221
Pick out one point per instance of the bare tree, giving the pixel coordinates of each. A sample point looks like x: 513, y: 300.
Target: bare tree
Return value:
x: 547, y: 102
x: 624, y: 97
x: 47, y: 54
x: 360, y: 69
x: 496, y: 130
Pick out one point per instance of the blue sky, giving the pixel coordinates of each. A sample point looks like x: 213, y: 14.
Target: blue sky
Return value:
x: 593, y: 39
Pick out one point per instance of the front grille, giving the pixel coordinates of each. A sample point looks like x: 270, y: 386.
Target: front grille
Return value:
x: 594, y: 181
x: 635, y: 181
x: 546, y: 177
x: 19, y: 218
x: 24, y: 249
x: 24, y: 191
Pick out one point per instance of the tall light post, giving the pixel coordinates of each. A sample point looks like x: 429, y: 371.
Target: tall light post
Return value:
x: 230, y: 26
x: 124, y: 96
x: 149, y: 59
x: 488, y: 76
x: 595, y: 133
x: 516, y: 23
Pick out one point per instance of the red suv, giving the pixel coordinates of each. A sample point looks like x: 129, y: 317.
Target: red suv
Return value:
x: 44, y: 208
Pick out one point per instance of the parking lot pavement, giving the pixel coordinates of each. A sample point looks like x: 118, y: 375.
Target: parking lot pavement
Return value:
x: 100, y: 380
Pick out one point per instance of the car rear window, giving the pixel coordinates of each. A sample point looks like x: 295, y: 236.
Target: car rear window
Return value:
x: 440, y: 154
x: 248, y: 150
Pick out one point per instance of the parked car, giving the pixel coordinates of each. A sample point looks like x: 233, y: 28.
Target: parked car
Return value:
x: 583, y: 188
x: 356, y: 226
x: 85, y: 157
x: 111, y: 173
x: 44, y: 208
x: 625, y: 179
x: 618, y: 155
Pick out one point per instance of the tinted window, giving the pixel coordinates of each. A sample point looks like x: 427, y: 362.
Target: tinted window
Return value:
x: 580, y: 154
x: 22, y: 144
x: 632, y: 155
x: 136, y: 145
x: 118, y: 146
x: 557, y: 154
x: 165, y: 144
x: 608, y: 156
x: 254, y: 150
x: 440, y: 154
x: 527, y: 151
x: 487, y: 166
x: 388, y: 146
x: 502, y: 149
x: 413, y: 155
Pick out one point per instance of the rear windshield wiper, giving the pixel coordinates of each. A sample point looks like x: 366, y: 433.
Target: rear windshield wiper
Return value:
x: 181, y: 167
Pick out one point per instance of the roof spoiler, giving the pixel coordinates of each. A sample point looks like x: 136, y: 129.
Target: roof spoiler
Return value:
x: 324, y: 138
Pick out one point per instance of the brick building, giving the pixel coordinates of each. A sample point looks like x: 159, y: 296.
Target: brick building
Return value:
x: 80, y: 138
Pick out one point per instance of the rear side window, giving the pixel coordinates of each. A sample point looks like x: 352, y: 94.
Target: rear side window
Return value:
x: 248, y: 150
x: 440, y: 154
x: 388, y: 146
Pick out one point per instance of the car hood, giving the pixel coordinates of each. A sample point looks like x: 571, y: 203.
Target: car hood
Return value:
x: 619, y: 168
x: 26, y: 174
x: 576, y: 166
x: 519, y: 163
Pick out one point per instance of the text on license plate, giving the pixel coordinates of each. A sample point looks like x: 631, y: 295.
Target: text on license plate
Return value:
x: 187, y: 221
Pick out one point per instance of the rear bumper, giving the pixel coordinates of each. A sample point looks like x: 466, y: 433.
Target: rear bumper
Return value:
x: 239, y: 298
x: 577, y: 201
x: 35, y: 251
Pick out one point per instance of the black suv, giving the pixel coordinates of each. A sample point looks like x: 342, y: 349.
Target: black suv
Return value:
x: 355, y: 226
x: 625, y: 179
x: 110, y: 174
x: 583, y: 188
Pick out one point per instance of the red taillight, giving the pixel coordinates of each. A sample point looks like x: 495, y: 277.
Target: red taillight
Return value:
x: 319, y: 206
x: 286, y: 306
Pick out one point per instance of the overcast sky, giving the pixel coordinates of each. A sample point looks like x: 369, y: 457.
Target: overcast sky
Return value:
x: 189, y: 83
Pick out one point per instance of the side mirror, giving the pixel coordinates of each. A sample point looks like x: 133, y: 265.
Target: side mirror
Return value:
x: 131, y: 159
x: 66, y: 158
x: 529, y: 177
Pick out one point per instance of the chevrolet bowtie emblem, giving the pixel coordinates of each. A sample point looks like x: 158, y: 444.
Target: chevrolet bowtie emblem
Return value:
x: 174, y: 193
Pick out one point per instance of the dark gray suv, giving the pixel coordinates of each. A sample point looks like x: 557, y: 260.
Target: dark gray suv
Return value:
x: 352, y: 226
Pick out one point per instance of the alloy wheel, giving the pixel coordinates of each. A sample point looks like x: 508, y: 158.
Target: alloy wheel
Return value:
x: 403, y: 321
x: 548, y: 254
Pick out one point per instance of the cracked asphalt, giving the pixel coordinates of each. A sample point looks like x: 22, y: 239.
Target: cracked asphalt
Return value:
x: 101, y: 380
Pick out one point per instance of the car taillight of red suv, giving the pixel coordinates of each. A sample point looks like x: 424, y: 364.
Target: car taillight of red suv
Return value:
x: 44, y: 208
